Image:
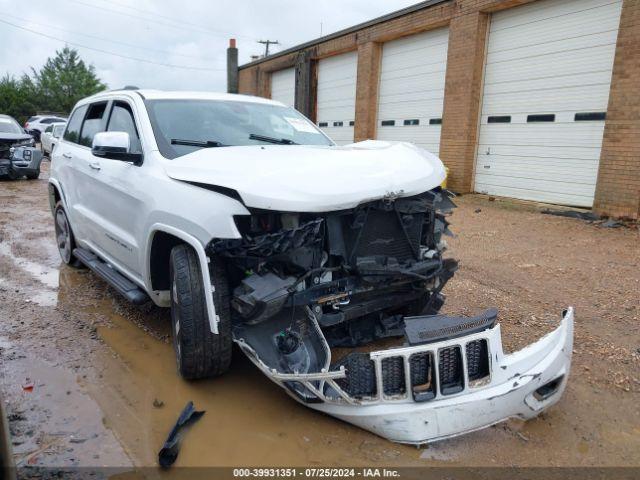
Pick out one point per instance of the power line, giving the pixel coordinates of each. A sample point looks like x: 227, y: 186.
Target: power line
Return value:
x: 107, y: 52
x: 171, y: 19
x: 178, y: 24
x: 164, y: 52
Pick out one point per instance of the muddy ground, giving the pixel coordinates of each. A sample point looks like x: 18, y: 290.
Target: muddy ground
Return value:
x: 105, y: 390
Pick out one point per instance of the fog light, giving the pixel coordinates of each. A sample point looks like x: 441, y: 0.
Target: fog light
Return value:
x: 548, y: 389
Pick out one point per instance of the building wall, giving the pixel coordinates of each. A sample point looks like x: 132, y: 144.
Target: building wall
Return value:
x: 618, y: 189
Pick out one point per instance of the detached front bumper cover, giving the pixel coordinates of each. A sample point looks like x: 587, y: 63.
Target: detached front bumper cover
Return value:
x: 446, y: 388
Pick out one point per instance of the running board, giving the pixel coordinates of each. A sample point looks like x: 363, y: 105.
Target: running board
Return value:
x: 122, y: 285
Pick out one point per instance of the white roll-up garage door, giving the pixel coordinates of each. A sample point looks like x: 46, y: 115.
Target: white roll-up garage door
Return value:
x: 546, y: 88
x: 283, y: 86
x: 337, y: 96
x: 411, y: 93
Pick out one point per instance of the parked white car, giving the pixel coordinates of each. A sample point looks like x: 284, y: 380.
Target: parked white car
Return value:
x: 246, y: 220
x: 50, y: 136
x: 37, y: 124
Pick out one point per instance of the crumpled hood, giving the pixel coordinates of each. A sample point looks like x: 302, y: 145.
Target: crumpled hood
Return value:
x: 312, y: 178
x: 13, y: 137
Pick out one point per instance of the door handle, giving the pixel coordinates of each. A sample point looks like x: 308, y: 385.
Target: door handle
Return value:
x: 95, y: 165
x: 67, y: 155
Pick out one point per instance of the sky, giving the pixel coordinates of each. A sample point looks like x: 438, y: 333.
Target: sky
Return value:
x: 171, y: 44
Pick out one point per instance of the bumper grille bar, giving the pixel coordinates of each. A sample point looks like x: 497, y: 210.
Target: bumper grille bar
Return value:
x: 413, y: 372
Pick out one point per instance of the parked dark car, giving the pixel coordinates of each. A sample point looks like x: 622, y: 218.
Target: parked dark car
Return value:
x: 18, y: 157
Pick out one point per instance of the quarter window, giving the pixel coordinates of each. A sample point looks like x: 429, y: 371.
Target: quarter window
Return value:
x: 121, y: 120
x: 72, y: 133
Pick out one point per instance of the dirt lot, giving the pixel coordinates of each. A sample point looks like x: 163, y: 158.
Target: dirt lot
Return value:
x: 105, y: 389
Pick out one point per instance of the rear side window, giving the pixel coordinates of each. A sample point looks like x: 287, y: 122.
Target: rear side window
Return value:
x: 72, y: 133
x: 94, y: 122
x: 121, y: 120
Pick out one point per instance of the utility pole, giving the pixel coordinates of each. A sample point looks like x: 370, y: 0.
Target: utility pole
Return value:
x: 266, y: 44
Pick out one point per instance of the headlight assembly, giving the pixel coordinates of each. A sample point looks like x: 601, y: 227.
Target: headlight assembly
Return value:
x: 24, y: 143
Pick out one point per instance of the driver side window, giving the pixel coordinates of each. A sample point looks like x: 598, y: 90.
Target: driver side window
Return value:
x: 121, y: 120
x: 93, y: 123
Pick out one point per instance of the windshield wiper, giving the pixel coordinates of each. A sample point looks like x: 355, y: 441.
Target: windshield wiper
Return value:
x: 197, y: 143
x: 279, y: 141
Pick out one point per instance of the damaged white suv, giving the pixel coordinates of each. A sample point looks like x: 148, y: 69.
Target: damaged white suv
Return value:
x: 245, y: 219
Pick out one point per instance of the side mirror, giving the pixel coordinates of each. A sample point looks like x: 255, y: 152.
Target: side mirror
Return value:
x: 115, y: 146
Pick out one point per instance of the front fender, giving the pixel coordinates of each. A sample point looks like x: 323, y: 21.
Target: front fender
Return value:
x: 203, y: 259
x: 54, y: 185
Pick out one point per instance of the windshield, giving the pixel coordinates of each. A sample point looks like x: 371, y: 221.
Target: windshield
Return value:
x: 183, y: 126
x: 9, y: 125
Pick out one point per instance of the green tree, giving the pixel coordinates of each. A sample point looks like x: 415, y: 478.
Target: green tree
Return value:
x: 56, y: 87
x: 63, y: 80
x: 17, y: 97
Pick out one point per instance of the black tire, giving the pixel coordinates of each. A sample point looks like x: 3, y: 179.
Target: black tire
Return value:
x: 65, y: 240
x: 199, y: 353
x: 12, y: 175
x: 34, y: 176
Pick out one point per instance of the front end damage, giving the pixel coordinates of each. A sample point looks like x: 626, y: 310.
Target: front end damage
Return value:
x: 19, y: 161
x: 318, y: 298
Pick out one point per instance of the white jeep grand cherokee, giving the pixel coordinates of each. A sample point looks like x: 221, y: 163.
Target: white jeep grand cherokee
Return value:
x: 246, y: 220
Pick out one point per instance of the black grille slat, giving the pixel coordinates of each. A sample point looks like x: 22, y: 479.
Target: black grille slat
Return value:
x: 361, y: 376
x: 420, y: 363
x: 450, y: 370
x: 360, y: 381
x: 477, y: 359
x: 421, y: 369
x: 393, y: 379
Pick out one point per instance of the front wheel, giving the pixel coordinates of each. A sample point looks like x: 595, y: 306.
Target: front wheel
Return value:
x: 34, y: 175
x: 199, y: 352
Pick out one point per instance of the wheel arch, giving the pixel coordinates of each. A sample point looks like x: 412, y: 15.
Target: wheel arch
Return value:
x: 159, y: 257
x: 161, y: 240
x: 55, y: 195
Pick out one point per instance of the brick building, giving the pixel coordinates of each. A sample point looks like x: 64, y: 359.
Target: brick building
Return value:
x: 531, y: 99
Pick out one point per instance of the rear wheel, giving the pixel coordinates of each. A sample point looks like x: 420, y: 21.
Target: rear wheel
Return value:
x: 199, y: 353
x: 64, y: 237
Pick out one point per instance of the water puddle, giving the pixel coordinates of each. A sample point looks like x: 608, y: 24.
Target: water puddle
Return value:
x: 39, y: 296
x: 46, y: 298
x: 248, y: 421
x: 5, y: 344
x: 45, y: 275
x: 53, y: 421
